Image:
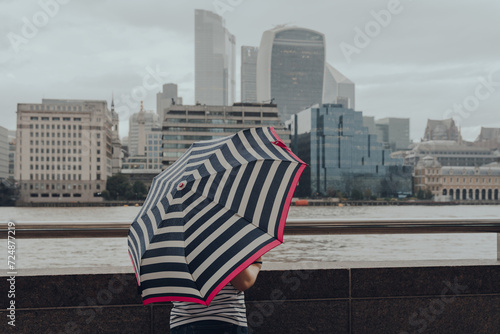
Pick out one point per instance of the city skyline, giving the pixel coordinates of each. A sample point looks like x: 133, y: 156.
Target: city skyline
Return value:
x: 419, y: 60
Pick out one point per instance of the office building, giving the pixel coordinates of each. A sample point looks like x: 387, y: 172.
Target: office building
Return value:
x: 166, y: 98
x: 342, y: 155
x: 4, y: 153
x: 12, y: 153
x: 337, y: 89
x: 64, y: 150
x: 452, y: 183
x: 215, y: 60
x: 140, y: 123
x: 186, y: 124
x: 394, y: 133
x: 249, y: 73
x: 291, y: 69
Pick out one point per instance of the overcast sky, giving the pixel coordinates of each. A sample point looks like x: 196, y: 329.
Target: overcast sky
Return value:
x: 419, y: 59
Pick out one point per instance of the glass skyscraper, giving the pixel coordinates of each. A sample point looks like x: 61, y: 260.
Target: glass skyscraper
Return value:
x: 215, y: 60
x: 249, y: 73
x: 290, y: 69
x: 341, y: 154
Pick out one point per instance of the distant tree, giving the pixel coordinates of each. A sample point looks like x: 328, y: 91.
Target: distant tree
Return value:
x: 356, y: 195
x: 424, y: 194
x: 140, y: 190
x: 8, y: 193
x: 118, y: 186
x: 106, y: 195
x: 367, y: 194
x: 331, y: 192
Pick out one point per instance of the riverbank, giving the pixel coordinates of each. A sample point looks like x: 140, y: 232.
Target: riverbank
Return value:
x: 295, y: 202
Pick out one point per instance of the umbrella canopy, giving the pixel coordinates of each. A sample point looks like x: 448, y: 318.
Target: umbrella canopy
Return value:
x: 209, y: 215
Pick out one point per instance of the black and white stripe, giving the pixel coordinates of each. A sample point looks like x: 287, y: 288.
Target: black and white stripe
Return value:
x: 227, y: 306
x: 187, y: 239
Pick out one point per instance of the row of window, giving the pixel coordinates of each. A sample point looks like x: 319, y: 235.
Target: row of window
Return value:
x: 464, y: 180
x: 57, y: 195
x: 59, y: 167
x: 58, y: 142
x: 455, y: 153
x: 438, y: 171
x: 141, y: 166
x: 54, y: 126
x: 59, y: 159
x: 223, y: 114
x: 47, y: 134
x: 59, y: 177
x: 60, y: 108
x: 59, y: 186
x: 58, y: 151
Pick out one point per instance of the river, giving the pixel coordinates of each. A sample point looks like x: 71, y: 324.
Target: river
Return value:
x: 102, y: 252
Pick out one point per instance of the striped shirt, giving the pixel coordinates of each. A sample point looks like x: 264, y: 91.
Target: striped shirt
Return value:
x: 228, y: 306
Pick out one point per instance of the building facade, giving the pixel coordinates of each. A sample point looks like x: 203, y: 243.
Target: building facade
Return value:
x: 215, y: 60
x: 166, y: 98
x: 140, y: 124
x: 342, y: 155
x: 451, y: 183
x: 184, y: 125
x: 451, y: 153
x: 151, y: 160
x: 12, y: 153
x: 64, y: 150
x: 249, y: 73
x: 394, y: 133
x: 291, y: 69
x: 337, y: 88
x: 4, y: 153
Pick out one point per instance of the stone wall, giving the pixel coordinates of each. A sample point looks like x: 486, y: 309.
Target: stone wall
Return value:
x: 413, y: 297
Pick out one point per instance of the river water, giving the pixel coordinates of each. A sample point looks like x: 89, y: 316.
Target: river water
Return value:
x: 102, y: 252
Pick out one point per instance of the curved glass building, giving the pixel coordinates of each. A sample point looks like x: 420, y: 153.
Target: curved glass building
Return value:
x: 290, y: 69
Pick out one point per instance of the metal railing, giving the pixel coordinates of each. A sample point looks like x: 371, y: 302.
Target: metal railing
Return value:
x: 106, y: 229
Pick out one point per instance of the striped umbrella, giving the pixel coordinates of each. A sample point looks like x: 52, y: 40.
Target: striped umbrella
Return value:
x: 209, y: 215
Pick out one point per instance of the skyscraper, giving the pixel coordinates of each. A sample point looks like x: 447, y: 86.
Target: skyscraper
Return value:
x: 215, y: 60
x: 249, y: 73
x: 166, y: 98
x: 337, y: 88
x: 290, y: 69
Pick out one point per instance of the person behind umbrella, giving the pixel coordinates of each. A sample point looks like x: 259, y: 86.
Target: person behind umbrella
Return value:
x: 225, y: 314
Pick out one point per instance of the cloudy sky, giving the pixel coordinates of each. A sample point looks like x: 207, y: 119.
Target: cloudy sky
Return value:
x: 419, y: 59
